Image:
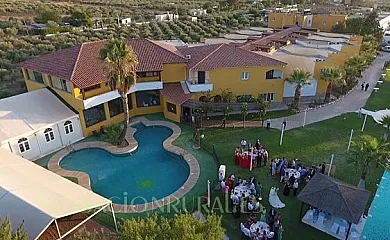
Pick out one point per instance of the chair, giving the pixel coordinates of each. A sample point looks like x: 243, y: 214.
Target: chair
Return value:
x: 342, y: 231
x: 310, y: 215
x: 334, y: 228
x: 320, y: 221
x: 354, y: 234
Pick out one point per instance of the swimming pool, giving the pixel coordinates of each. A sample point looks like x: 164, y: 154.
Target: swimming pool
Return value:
x: 148, y: 174
x: 378, y: 222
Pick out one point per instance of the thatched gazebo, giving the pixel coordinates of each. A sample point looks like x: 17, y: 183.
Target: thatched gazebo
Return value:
x: 330, y: 195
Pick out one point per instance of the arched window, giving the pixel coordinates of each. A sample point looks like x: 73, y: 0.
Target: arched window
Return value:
x: 68, y: 127
x: 217, y: 98
x: 49, y: 134
x: 23, y: 145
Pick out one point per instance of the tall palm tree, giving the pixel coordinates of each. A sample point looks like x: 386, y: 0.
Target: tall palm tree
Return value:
x: 300, y: 77
x: 332, y: 76
x: 122, y: 62
x: 368, y: 152
x: 386, y: 123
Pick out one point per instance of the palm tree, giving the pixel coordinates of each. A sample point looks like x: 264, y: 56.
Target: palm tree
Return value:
x: 332, y: 76
x: 386, y: 123
x: 368, y: 152
x: 122, y: 62
x: 300, y: 77
x: 244, y: 112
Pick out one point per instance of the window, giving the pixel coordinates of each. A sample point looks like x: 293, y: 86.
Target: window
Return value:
x: 49, y: 134
x: 147, y: 74
x: 269, y: 74
x: 94, y: 115
x: 148, y: 98
x: 244, y: 76
x: 324, y: 23
x: 171, y: 107
x: 36, y: 76
x: 269, y: 97
x: 23, y: 145
x: 68, y: 127
x: 115, y: 106
x: 61, y: 84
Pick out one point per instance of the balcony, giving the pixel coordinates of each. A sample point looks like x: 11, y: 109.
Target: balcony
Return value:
x: 274, y: 74
x: 199, y: 87
x: 108, y: 96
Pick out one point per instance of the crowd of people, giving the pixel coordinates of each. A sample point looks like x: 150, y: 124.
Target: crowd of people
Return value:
x: 293, y: 173
x: 245, y: 200
x: 245, y: 195
x: 253, y: 155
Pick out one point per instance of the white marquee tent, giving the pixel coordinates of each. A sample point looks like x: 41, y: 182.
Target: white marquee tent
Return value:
x: 39, y: 197
x: 36, y: 123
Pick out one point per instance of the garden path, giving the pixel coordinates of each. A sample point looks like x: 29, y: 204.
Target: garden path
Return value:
x: 355, y: 100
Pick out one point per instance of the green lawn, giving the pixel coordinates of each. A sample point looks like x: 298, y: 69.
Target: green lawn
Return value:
x: 381, y: 99
x: 255, y: 116
x: 313, y: 144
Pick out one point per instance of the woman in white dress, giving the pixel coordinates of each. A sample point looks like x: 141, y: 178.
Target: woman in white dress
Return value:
x: 274, y: 198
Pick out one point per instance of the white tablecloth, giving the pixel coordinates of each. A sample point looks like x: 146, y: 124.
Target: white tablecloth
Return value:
x: 260, y: 225
x: 239, y: 190
x: 293, y: 172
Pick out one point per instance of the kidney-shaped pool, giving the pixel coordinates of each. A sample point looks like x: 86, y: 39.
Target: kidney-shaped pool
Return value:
x: 149, y: 174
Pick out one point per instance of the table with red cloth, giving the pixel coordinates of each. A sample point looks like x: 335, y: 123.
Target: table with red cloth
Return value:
x: 244, y: 161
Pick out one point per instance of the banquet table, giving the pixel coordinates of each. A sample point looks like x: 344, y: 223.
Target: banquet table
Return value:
x: 239, y: 190
x: 245, y: 160
x: 259, y: 225
x: 293, y: 172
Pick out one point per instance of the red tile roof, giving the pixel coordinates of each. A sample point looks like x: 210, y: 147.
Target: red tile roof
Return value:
x: 175, y: 93
x: 208, y: 57
x: 82, y: 66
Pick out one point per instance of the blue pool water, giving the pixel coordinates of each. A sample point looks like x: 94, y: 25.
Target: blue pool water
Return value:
x: 148, y: 174
x: 378, y: 222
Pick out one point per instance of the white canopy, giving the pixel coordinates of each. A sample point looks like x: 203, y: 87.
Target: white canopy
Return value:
x: 37, y: 196
x: 30, y: 111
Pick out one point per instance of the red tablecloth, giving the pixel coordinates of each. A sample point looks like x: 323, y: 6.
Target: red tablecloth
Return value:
x: 245, y: 162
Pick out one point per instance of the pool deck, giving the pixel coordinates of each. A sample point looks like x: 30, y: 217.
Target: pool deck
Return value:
x: 84, y: 180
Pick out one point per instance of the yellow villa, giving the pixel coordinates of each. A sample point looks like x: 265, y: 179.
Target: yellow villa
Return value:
x: 322, y: 20
x: 167, y: 78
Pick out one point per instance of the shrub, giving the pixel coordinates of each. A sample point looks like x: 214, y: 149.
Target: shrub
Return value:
x: 112, y: 134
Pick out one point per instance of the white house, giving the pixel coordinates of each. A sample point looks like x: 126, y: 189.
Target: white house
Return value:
x: 197, y: 12
x: 124, y: 21
x: 36, y: 123
x: 192, y: 19
x: 166, y: 17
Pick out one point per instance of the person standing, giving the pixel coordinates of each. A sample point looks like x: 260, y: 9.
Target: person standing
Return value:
x: 295, y: 187
x: 367, y: 86
x: 363, y: 85
x: 284, y: 124
x: 323, y: 168
x: 360, y: 113
x: 268, y: 123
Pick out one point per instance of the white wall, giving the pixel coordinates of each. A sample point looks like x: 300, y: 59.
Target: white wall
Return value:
x: 30, y: 154
x: 37, y: 141
x: 308, y: 90
x: 76, y: 135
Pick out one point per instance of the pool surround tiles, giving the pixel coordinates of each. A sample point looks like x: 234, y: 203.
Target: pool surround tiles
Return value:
x: 84, y: 180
